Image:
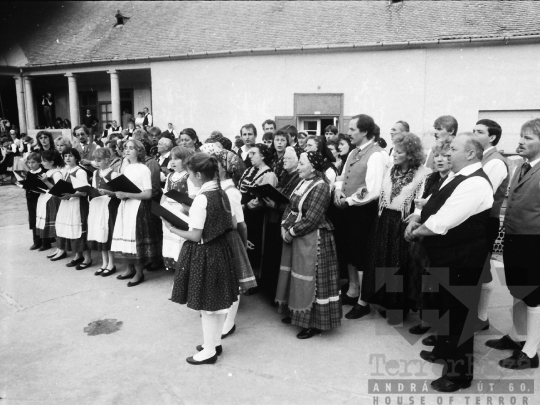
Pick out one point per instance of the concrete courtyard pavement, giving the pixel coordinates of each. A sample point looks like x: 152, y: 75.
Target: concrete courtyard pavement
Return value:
x: 47, y: 358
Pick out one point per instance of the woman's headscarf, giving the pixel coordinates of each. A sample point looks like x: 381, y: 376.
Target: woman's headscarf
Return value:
x: 233, y: 165
x: 316, y: 160
x: 210, y: 148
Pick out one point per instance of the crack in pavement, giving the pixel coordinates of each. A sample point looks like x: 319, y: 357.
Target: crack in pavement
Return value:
x: 54, y: 299
x: 12, y: 302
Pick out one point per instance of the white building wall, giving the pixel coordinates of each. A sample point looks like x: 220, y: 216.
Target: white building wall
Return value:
x: 412, y: 85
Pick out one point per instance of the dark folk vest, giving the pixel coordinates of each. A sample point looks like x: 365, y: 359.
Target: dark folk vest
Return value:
x: 472, y: 230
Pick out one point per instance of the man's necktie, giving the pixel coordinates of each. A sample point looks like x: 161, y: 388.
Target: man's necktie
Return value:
x: 524, y: 169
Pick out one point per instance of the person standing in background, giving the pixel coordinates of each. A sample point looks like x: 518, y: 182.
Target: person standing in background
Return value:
x: 47, y: 103
x: 126, y: 118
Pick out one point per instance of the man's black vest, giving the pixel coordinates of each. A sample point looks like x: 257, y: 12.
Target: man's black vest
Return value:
x: 472, y: 230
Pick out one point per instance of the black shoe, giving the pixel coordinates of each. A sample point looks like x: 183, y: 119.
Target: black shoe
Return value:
x: 358, y: 311
x: 519, y: 361
x: 45, y: 247
x: 62, y: 256
x: 211, y: 360
x: 307, y: 333
x: 252, y: 291
x: 233, y: 329
x: 107, y: 272
x: 75, y: 262
x: 419, y: 329
x: 99, y: 272
x: 121, y: 277
x: 430, y: 340
x: 134, y: 283
x: 443, y: 384
x: 35, y: 246
x: 481, y: 325
x: 429, y: 356
x: 346, y: 300
x: 287, y: 320
x: 505, y: 343
x: 219, y: 349
x: 83, y: 265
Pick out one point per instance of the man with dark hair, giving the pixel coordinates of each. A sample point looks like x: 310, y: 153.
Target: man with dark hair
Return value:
x: 356, y: 194
x: 494, y: 164
x: 82, y: 134
x: 521, y: 242
x: 330, y: 132
x: 154, y: 133
x: 445, y: 127
x: 269, y: 126
x: 249, y: 135
x: 452, y: 224
x: 293, y: 135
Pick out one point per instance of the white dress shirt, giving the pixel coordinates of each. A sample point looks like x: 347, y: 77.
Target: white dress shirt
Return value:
x: 496, y: 170
x: 161, y: 159
x: 374, y: 176
x: 243, y: 152
x: 471, y: 196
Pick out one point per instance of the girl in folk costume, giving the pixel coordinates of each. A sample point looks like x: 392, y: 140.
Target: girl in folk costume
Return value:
x: 72, y: 219
x: 179, y: 181
x: 237, y: 238
x: 134, y: 239
x: 403, y: 181
x: 102, y: 213
x: 206, y: 278
x: 33, y: 161
x: 308, y: 286
x: 47, y: 205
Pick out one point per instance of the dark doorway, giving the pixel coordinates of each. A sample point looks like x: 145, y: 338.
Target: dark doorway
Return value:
x: 8, y: 100
x: 325, y: 122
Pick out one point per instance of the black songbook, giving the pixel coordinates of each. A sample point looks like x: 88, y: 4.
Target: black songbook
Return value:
x: 160, y: 211
x: 267, y: 191
x: 89, y: 169
x: 62, y: 187
x: 122, y: 183
x: 32, y: 182
x: 180, y: 197
x: 83, y: 186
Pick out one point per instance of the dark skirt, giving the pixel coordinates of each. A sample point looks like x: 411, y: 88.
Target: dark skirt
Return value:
x: 49, y: 231
x: 31, y: 203
x: 388, y: 262
x: 80, y: 244
x: 326, y: 311
x: 205, y: 277
x: 273, y: 244
x: 148, y: 237
x: 254, y: 220
x: 113, y: 211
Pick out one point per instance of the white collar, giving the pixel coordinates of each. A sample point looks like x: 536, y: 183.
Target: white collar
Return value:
x: 467, y: 170
x: 209, y: 185
x: 35, y: 171
x: 533, y: 162
x: 488, y: 149
x: 72, y: 169
x: 226, y: 183
x: 105, y: 172
x: 364, y: 146
x: 166, y: 155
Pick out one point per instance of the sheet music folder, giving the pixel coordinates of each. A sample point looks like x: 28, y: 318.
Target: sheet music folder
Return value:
x: 267, y: 191
x: 160, y: 211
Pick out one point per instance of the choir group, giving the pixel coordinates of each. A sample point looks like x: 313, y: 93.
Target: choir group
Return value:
x: 314, y: 222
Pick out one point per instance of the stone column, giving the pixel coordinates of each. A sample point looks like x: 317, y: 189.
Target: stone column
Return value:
x: 20, y: 103
x: 115, y: 97
x: 74, y: 112
x: 30, y: 107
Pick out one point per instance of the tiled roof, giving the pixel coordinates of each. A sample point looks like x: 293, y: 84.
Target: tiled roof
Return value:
x: 83, y: 31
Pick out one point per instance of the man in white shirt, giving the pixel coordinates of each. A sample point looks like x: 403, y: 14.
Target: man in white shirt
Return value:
x: 494, y: 164
x: 164, y: 147
x: 249, y: 135
x: 452, y: 227
x: 445, y: 127
x: 115, y: 127
x: 148, y: 119
x: 356, y: 194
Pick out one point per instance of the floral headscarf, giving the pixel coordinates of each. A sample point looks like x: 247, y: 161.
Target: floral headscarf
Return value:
x: 316, y: 160
x: 210, y: 148
x: 232, y: 164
